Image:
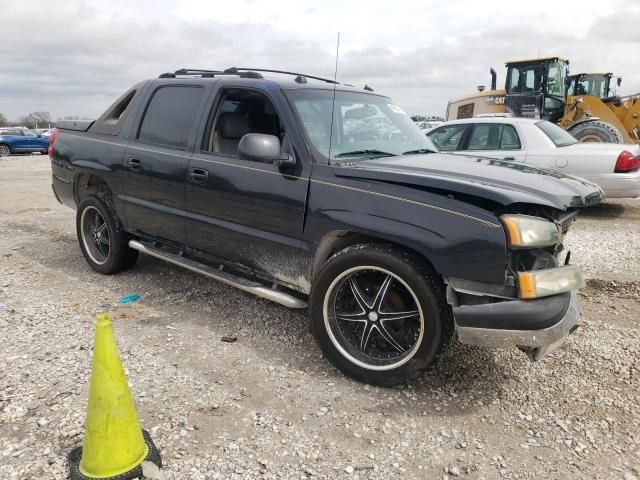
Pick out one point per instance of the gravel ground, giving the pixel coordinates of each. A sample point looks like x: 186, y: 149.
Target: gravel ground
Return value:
x: 269, y: 405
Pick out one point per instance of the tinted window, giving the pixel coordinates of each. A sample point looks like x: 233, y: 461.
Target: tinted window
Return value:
x: 11, y: 132
x: 509, y: 139
x: 170, y: 116
x: 447, y: 138
x: 494, y: 136
x: 116, y: 113
x: 465, y: 111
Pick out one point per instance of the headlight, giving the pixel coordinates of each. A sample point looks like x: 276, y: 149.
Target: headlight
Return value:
x: 542, y: 283
x: 525, y: 231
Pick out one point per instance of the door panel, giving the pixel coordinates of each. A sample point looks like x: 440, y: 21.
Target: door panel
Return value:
x: 22, y: 142
x: 247, y: 212
x: 154, y: 191
x: 155, y: 163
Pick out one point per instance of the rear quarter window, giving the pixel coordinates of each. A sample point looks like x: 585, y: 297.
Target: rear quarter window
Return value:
x: 111, y: 121
x: 170, y: 116
x: 559, y: 137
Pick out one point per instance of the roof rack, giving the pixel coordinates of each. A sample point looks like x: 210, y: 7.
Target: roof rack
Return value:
x: 300, y: 75
x: 208, y: 73
x: 242, y: 72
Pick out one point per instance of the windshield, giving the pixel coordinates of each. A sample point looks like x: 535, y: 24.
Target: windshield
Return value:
x: 364, y: 125
x: 527, y: 78
x: 559, y: 137
x: 596, y: 85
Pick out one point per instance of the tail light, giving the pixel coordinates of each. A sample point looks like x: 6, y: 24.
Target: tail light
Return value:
x: 52, y: 140
x: 627, y: 162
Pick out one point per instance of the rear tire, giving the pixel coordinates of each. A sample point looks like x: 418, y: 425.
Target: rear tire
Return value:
x: 5, y: 151
x: 103, y: 241
x: 379, y: 314
x: 597, y: 131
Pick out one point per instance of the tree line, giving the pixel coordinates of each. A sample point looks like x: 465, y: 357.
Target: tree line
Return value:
x: 35, y: 120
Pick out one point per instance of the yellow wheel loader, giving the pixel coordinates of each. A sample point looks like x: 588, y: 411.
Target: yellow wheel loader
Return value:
x: 539, y: 88
x: 590, y: 95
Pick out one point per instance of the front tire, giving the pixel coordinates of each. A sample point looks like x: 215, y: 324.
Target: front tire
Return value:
x: 378, y: 314
x: 103, y: 242
x: 598, y: 132
x: 5, y: 151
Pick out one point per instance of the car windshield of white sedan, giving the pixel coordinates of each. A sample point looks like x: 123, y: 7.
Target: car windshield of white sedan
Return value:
x: 559, y: 137
x: 362, y: 125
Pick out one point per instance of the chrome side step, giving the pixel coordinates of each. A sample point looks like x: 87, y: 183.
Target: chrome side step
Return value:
x: 218, y: 274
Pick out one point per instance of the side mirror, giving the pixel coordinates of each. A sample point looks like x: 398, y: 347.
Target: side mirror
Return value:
x: 619, y: 81
x: 259, y: 147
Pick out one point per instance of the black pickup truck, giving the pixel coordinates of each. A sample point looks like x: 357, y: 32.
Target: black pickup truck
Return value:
x: 312, y: 193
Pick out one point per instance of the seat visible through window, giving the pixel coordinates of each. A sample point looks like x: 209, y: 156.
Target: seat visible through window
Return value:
x: 241, y: 112
x: 231, y: 128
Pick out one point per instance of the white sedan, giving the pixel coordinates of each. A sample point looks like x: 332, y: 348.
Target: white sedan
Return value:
x: 614, y: 167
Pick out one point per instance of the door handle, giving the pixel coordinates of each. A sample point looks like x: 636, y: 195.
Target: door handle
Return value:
x: 198, y: 175
x: 509, y: 158
x: 134, y: 164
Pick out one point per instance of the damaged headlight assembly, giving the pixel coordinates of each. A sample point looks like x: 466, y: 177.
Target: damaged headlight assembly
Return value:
x: 525, y: 231
x: 551, y: 281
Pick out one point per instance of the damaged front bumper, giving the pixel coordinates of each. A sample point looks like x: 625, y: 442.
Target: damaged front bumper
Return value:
x: 536, y: 326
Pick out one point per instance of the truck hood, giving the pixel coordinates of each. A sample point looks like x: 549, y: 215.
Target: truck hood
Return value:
x: 502, y: 181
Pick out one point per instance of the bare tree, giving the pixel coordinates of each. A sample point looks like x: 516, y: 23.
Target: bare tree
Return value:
x: 3, y: 120
x: 37, y: 119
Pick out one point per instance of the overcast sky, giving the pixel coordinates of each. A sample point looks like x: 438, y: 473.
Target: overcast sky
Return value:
x: 75, y: 57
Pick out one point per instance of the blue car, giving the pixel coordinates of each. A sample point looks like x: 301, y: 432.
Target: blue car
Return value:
x: 21, y: 140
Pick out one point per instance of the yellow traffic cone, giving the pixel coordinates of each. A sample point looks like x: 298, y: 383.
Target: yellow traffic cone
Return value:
x: 114, y: 444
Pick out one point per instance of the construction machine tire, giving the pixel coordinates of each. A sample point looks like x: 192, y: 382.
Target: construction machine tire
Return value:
x: 597, y: 131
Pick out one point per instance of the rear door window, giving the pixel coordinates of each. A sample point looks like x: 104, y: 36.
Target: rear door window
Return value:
x: 493, y: 136
x: 170, y: 116
x: 447, y: 138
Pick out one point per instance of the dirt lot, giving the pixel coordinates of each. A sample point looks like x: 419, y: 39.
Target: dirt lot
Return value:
x: 269, y: 405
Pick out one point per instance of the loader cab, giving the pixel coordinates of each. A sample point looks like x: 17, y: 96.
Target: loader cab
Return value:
x: 536, y: 88
x: 594, y: 84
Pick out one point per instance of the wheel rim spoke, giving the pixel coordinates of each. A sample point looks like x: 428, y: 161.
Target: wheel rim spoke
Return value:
x: 352, y: 317
x: 358, y: 295
x: 382, y: 293
x: 389, y: 338
x: 391, y: 316
x: 366, y: 335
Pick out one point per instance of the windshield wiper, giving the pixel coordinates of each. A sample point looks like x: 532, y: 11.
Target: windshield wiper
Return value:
x: 418, y: 151
x: 377, y: 153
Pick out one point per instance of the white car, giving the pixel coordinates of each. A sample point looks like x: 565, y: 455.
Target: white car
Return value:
x: 427, y: 125
x: 614, y: 167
